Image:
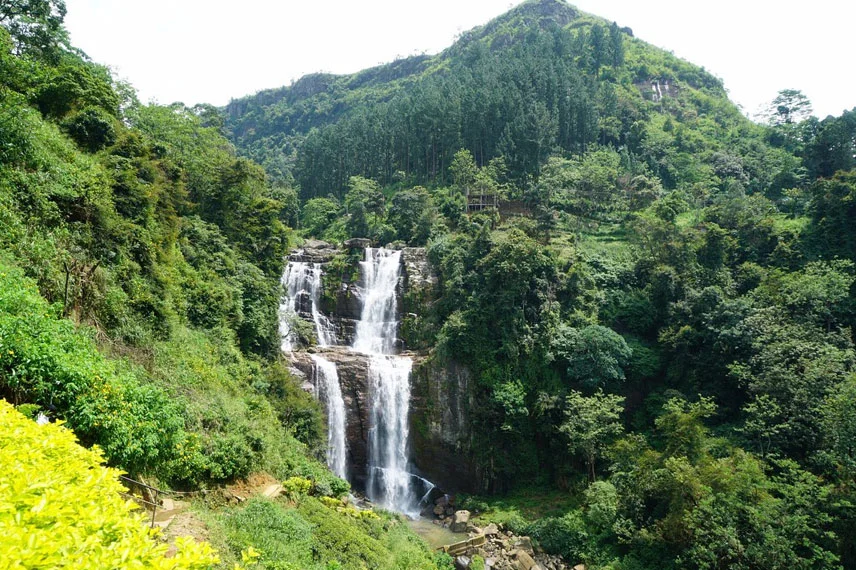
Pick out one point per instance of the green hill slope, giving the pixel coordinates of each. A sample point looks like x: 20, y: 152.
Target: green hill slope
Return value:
x: 543, y: 79
x: 658, y: 317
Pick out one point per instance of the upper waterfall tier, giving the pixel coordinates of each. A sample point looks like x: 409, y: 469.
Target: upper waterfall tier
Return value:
x: 302, y: 284
x: 377, y: 329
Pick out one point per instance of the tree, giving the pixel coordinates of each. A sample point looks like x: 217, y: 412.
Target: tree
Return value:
x: 789, y: 107
x: 35, y: 25
x: 832, y: 146
x: 591, y: 424
x: 838, y: 420
x: 683, y: 427
x: 317, y: 215
x: 616, y: 42
x: 463, y: 170
x: 600, y: 46
x: 594, y: 355
x: 411, y: 214
x: 832, y: 209
x: 363, y: 203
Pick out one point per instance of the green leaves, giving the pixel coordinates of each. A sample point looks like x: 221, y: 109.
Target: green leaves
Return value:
x: 595, y: 356
x: 60, y: 508
x: 591, y: 424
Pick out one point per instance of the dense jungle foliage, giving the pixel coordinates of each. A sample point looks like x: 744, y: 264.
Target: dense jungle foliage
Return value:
x: 139, y: 288
x: 659, y: 316
x: 140, y: 260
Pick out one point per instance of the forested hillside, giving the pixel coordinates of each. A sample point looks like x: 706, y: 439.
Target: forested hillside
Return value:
x: 655, y: 297
x: 658, y: 315
x: 139, y: 287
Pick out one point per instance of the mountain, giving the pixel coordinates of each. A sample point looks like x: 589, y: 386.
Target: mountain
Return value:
x: 637, y: 338
x: 543, y: 79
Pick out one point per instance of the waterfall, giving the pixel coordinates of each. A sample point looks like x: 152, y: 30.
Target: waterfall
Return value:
x: 302, y: 284
x: 377, y: 328
x: 327, y: 380
x: 389, y: 478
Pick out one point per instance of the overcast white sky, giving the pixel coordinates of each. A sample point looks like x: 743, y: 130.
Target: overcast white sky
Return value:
x: 211, y: 51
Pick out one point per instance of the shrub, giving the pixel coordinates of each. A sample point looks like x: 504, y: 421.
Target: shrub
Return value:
x: 60, y: 508
x: 92, y: 128
x: 296, y: 486
x: 282, y: 537
x: 46, y: 361
x: 566, y: 535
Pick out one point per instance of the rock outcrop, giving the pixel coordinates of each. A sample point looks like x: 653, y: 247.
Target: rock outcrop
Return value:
x: 419, y: 276
x: 314, y: 251
x: 352, y: 368
x: 439, y: 424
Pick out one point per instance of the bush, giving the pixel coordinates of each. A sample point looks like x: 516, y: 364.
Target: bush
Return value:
x: 44, y: 360
x: 566, y: 535
x: 282, y: 536
x: 91, y: 128
x: 60, y: 508
x: 295, y: 487
x: 322, y: 535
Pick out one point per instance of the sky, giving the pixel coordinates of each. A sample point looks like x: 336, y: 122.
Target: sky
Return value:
x: 204, y: 51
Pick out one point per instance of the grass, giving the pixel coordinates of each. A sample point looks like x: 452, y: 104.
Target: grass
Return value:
x: 305, y: 533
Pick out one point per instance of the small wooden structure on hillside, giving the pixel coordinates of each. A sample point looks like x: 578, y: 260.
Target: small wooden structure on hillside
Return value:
x: 479, y: 199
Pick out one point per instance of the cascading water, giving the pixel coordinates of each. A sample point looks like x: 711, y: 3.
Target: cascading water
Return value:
x: 302, y: 284
x: 390, y: 482
x: 377, y: 328
x: 327, y: 381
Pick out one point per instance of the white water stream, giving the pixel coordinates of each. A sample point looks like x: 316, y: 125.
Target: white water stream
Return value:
x: 327, y: 381
x: 390, y: 482
x: 302, y: 284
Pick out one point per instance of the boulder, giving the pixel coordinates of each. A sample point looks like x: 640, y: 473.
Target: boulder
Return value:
x: 491, y: 530
x: 297, y: 373
x: 460, y: 521
x: 439, y: 510
x: 525, y: 561
x: 358, y: 243
x: 462, y: 563
x: 523, y: 543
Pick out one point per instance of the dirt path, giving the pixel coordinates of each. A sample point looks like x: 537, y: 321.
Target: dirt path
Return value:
x: 176, y: 519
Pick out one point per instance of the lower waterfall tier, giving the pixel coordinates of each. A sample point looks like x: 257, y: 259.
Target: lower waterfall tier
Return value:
x: 438, y: 424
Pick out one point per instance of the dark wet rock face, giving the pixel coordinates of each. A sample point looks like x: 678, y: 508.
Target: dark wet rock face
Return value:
x: 439, y: 424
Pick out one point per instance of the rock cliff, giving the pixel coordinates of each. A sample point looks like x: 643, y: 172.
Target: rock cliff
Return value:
x: 440, y: 440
